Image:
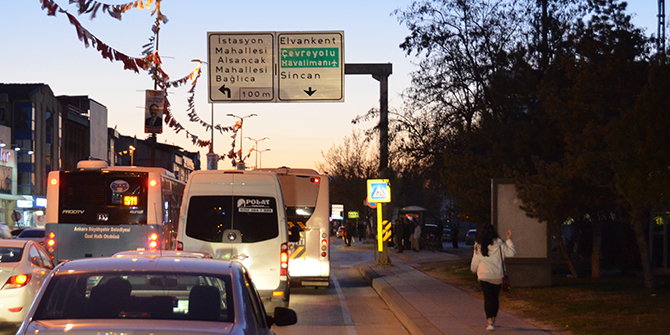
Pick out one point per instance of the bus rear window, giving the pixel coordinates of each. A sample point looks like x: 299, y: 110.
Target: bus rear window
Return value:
x: 103, y: 198
x: 254, y: 217
x: 103, y: 189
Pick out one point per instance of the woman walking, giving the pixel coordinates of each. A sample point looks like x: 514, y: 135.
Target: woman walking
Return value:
x: 487, y: 263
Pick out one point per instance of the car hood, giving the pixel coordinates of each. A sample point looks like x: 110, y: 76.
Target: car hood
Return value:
x: 128, y: 327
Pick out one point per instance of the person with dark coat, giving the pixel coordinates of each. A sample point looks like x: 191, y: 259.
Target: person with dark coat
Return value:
x: 454, y: 235
x: 349, y: 232
x: 399, y: 235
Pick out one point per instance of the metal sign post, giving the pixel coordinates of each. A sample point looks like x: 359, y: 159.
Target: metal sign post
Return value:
x: 379, y: 191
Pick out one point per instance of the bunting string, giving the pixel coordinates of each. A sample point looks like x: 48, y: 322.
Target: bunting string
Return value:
x: 150, y: 62
x: 115, y: 11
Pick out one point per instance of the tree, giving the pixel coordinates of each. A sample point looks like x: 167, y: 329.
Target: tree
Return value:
x: 640, y: 157
x: 348, y: 167
x: 463, y: 44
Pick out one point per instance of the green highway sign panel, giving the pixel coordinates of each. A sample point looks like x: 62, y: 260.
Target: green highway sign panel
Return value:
x: 241, y: 66
x: 310, y: 66
x: 275, y: 66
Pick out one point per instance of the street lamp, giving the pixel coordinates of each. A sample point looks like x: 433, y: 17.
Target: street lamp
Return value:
x: 132, y: 155
x: 256, y: 145
x: 261, y: 152
x: 131, y: 151
x: 241, y: 123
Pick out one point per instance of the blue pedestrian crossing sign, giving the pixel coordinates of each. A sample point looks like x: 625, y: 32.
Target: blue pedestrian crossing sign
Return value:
x: 379, y: 190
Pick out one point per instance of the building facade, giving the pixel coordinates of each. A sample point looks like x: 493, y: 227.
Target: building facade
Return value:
x: 40, y: 133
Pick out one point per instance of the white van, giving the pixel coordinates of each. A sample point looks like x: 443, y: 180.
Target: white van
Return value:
x: 239, y: 215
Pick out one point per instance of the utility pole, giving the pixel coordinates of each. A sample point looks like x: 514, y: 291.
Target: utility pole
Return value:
x: 212, y: 158
x: 660, y: 41
x: 153, y: 135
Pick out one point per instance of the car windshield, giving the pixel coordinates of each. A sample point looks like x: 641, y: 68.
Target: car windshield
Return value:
x: 10, y: 254
x: 134, y: 295
x: 32, y: 233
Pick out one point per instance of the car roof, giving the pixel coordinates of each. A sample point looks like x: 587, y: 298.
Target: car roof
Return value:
x: 13, y: 243
x: 159, y: 264
x: 162, y: 253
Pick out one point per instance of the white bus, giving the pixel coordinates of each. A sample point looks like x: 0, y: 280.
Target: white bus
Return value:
x: 97, y: 210
x: 308, y: 211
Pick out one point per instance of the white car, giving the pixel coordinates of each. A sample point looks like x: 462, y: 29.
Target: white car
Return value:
x: 24, y: 266
x: 151, y: 295
x: 35, y: 234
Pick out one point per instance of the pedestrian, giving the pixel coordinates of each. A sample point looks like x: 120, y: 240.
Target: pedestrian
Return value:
x: 399, y: 235
x: 416, y: 236
x: 349, y: 232
x: 487, y: 263
x: 409, y: 230
x: 454, y: 235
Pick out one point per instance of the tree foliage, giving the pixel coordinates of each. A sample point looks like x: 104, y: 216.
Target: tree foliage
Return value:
x: 492, y: 99
x: 349, y: 166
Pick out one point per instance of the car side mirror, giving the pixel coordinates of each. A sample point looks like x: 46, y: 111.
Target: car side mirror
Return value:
x: 283, y: 317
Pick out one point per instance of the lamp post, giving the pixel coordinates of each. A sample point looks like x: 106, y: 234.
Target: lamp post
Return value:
x: 256, y: 145
x: 241, y: 118
x: 132, y: 155
x: 261, y: 152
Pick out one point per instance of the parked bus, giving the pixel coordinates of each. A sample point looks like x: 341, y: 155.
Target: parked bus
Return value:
x: 99, y: 210
x: 308, y: 212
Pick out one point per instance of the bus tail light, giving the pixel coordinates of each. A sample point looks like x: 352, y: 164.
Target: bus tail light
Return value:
x: 17, y: 281
x: 180, y: 245
x: 51, y: 243
x: 324, y: 247
x: 153, y: 241
x: 284, y: 259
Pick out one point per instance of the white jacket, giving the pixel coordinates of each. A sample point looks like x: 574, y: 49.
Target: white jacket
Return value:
x: 490, y: 268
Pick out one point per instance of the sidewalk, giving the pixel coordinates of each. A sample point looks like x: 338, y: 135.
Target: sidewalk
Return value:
x: 425, y: 305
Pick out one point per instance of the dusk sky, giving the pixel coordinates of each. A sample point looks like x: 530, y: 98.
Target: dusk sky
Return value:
x: 36, y: 48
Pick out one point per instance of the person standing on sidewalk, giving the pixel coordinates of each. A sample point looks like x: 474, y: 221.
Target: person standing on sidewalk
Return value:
x: 416, y: 237
x: 399, y: 235
x: 454, y: 235
x: 487, y: 263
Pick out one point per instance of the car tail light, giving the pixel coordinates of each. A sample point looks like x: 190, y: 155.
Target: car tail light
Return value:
x: 15, y: 309
x: 17, y: 281
x: 284, y: 259
x: 180, y: 245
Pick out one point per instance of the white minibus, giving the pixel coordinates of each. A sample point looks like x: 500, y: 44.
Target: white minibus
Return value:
x: 240, y: 215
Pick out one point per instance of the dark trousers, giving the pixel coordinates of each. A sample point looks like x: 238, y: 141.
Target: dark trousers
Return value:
x: 491, y: 302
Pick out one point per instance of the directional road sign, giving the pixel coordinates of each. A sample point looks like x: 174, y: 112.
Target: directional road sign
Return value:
x: 379, y: 190
x: 311, y: 66
x: 240, y: 66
